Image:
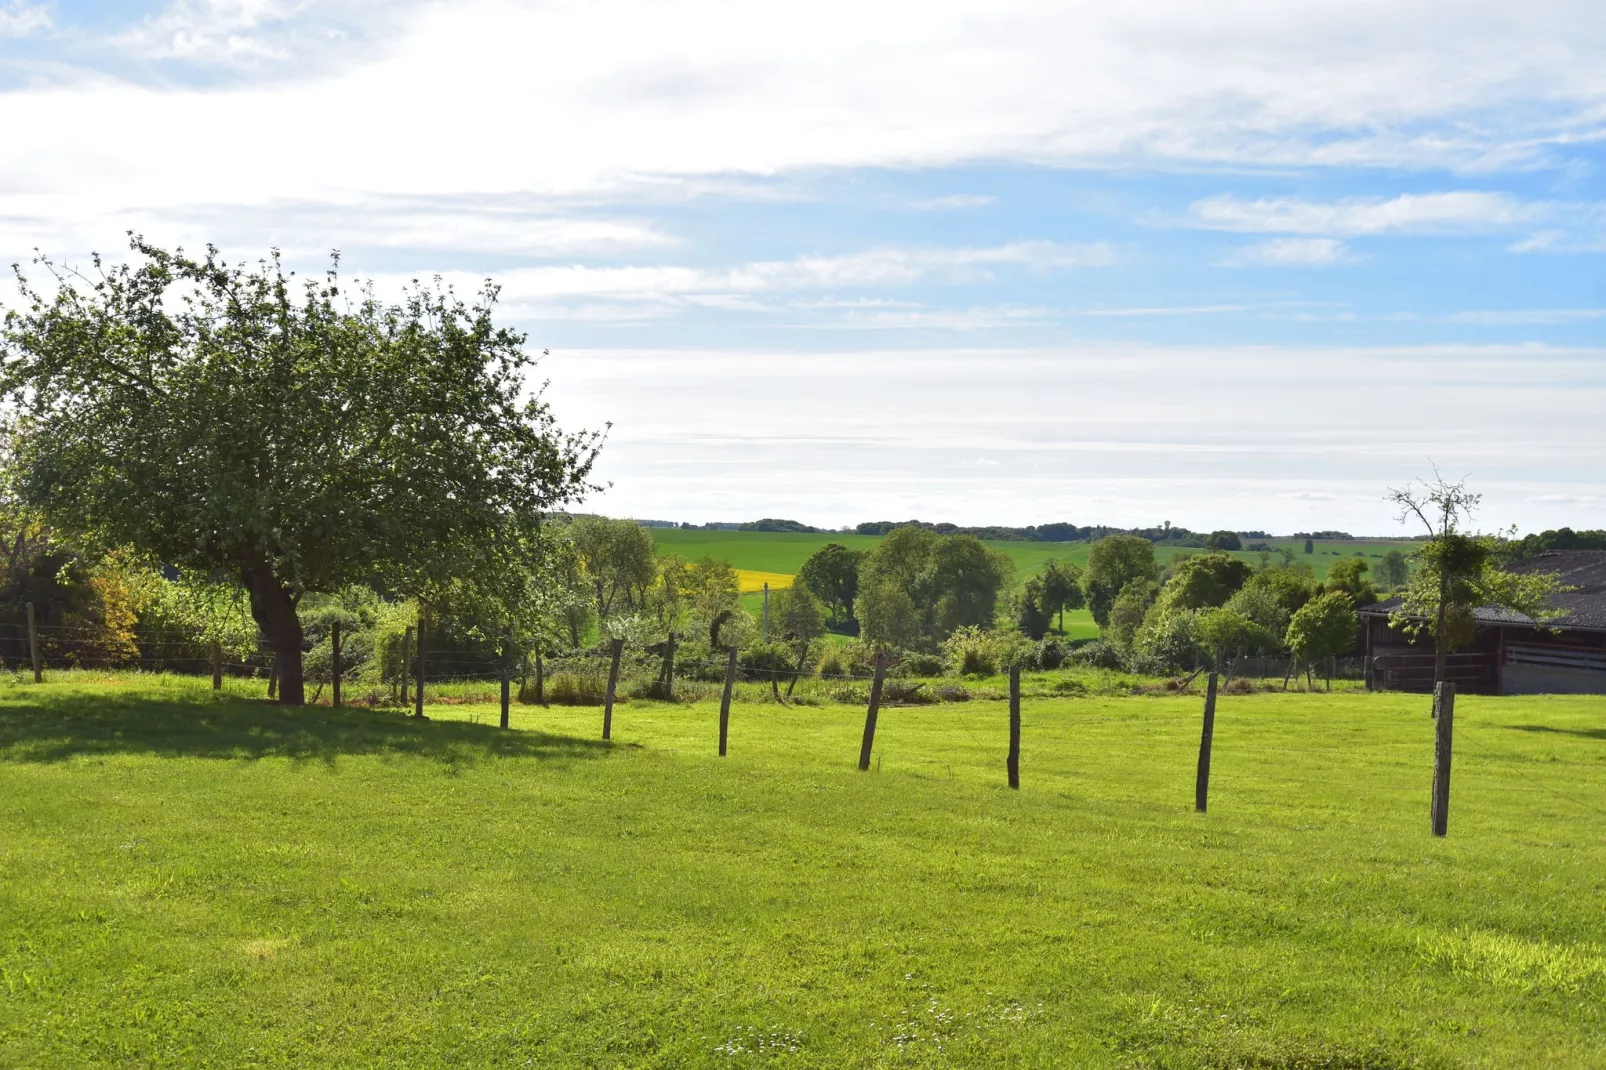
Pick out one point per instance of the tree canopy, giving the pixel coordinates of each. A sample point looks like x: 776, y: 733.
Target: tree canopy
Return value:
x: 1456, y: 571
x: 832, y: 574
x: 291, y: 434
x: 1112, y: 563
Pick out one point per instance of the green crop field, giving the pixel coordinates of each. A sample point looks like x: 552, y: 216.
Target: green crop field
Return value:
x: 190, y: 881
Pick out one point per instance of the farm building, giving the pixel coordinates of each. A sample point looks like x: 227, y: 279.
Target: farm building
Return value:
x: 1510, y: 655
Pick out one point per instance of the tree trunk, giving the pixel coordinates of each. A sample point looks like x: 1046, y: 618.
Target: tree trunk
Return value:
x: 274, y: 610
x: 802, y: 660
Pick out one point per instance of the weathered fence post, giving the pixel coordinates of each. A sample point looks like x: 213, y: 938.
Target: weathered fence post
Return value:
x: 870, y: 714
x: 418, y: 667
x: 1201, y: 783
x: 507, y: 675
x: 1444, y: 712
x: 217, y: 666
x: 613, y: 682
x: 1012, y: 763
x: 334, y: 661
x: 725, y: 700
x: 766, y: 609
x: 33, y: 647
x: 407, y: 662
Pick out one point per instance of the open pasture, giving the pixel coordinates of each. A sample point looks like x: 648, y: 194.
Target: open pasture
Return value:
x: 201, y: 881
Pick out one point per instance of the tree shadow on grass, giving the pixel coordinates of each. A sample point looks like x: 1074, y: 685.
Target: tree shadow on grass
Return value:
x: 76, y: 725
x: 1586, y: 733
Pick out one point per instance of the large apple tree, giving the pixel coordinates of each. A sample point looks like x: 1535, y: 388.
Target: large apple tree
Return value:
x: 291, y: 433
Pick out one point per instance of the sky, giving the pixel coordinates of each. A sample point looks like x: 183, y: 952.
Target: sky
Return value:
x: 1240, y: 265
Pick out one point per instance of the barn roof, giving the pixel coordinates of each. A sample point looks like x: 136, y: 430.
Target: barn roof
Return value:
x: 1584, y: 607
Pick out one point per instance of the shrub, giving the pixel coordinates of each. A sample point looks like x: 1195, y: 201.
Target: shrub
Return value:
x: 953, y: 693
x: 911, y: 692
x: 971, y: 651
x: 574, y: 689
x: 1097, y: 655
x: 918, y: 664
x: 1048, y: 654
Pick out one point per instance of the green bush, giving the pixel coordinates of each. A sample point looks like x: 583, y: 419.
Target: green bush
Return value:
x: 1098, y: 655
x: 914, y: 663
x: 575, y: 689
x: 973, y: 651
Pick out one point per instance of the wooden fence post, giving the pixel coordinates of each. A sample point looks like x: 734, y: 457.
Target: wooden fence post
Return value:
x: 217, y: 666
x: 766, y: 610
x: 1012, y: 763
x: 613, y: 682
x: 1444, y: 712
x: 725, y: 700
x: 507, y: 675
x: 1201, y: 783
x: 33, y: 647
x: 540, y: 682
x: 870, y: 714
x: 407, y: 662
x: 418, y: 667
x: 334, y: 661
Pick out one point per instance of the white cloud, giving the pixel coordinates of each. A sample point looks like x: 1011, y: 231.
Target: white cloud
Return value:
x: 873, y: 268
x: 491, y: 96
x: 941, y: 319
x: 19, y: 18
x: 1461, y: 211
x: 1290, y: 252
x: 953, y: 202
x: 1529, y: 316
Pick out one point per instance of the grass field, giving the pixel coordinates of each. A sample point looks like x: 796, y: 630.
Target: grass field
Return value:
x: 195, y: 882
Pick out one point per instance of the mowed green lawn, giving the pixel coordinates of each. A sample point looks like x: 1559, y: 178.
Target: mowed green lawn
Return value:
x: 190, y: 882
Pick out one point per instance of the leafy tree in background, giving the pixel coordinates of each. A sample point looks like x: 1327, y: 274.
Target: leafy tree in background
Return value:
x: 1394, y: 569
x: 799, y: 620
x: 1290, y: 587
x: 1349, y: 576
x: 1324, y: 627
x: 1458, y: 572
x: 1032, y: 615
x: 1128, y: 611
x: 832, y: 574
x: 1062, y: 589
x: 1310, y: 546
x: 1112, y: 564
x: 964, y: 583
x: 1227, y: 633
x: 888, y: 617
x: 950, y: 580
x: 1223, y: 540
x: 617, y: 560
x: 1205, y: 580
x: 298, y: 438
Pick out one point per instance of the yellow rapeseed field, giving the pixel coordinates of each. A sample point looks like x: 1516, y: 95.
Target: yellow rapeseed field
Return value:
x: 751, y: 582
